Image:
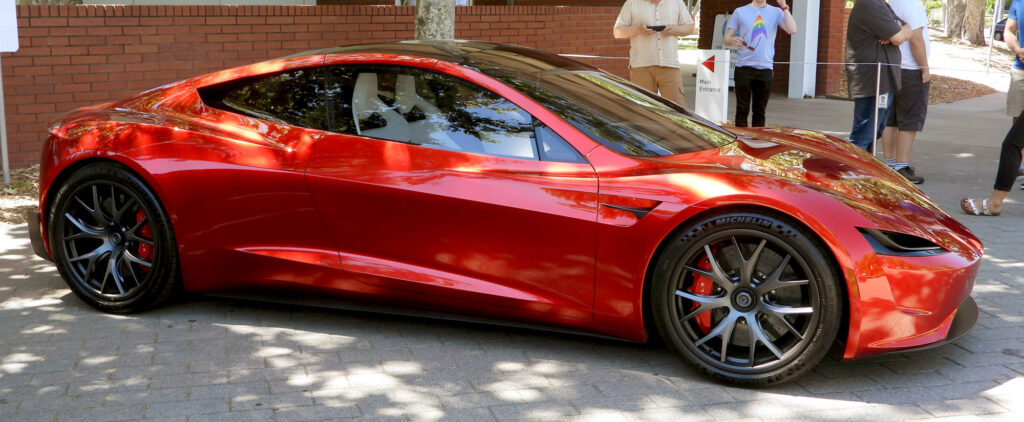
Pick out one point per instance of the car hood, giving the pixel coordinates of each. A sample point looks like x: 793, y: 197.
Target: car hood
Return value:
x: 836, y: 168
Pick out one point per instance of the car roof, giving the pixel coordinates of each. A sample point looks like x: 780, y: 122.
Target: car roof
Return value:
x: 487, y: 57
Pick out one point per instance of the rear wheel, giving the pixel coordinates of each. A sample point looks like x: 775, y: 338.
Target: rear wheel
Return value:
x: 747, y: 298
x: 112, y: 241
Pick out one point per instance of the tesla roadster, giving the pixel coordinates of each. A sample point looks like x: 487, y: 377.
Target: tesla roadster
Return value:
x: 504, y: 184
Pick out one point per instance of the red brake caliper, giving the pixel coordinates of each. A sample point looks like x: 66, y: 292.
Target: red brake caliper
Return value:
x: 702, y: 286
x: 145, y: 250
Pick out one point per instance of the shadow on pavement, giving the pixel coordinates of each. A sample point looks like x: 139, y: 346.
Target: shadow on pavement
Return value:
x: 209, y: 358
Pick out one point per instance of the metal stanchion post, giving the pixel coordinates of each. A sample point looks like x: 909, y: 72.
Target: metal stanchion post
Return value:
x: 3, y: 133
x: 874, y: 122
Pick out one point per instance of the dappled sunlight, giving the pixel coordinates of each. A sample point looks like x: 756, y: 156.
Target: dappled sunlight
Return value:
x: 22, y: 303
x: 1003, y: 262
x: 291, y: 361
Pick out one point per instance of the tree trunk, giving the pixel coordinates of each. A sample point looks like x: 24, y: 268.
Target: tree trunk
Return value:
x: 974, y: 28
x: 954, y: 11
x: 435, y: 19
x: 965, y: 20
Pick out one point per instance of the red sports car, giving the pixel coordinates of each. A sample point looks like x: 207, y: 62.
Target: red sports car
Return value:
x: 504, y: 184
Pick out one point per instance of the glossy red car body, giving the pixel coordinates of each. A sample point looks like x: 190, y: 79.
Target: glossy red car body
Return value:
x: 257, y: 205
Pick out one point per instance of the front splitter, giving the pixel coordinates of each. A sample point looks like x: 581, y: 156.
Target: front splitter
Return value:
x: 966, y: 317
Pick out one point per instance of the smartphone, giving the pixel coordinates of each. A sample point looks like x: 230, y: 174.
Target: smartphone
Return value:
x: 658, y: 28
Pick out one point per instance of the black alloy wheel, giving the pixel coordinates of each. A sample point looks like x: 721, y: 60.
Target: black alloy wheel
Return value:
x: 747, y: 298
x: 112, y: 241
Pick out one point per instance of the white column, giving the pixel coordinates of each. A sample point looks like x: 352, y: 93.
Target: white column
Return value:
x: 803, y: 48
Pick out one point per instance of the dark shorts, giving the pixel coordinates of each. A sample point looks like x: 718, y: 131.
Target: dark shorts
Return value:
x: 910, y: 104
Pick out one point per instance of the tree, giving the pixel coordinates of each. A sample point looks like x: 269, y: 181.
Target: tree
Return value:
x: 965, y: 19
x: 435, y: 19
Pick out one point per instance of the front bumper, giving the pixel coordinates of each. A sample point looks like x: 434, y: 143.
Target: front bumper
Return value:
x: 35, y: 232
x: 965, y: 318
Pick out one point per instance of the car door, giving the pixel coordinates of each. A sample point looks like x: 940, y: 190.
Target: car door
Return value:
x: 434, y: 185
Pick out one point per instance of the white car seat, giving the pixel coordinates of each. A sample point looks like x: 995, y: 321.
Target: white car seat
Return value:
x: 366, y: 102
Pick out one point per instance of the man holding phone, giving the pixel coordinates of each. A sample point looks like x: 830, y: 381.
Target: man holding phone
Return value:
x: 653, y: 28
x: 752, y: 29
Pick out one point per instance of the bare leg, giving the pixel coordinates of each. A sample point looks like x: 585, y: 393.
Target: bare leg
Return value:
x: 889, y: 142
x: 904, y: 141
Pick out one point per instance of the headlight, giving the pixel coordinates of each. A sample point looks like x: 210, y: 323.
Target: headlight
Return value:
x: 886, y: 242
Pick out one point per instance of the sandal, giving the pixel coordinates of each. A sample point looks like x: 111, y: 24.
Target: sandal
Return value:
x: 967, y: 204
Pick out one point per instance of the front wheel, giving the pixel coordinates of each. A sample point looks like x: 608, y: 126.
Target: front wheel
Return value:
x: 112, y: 240
x: 748, y: 298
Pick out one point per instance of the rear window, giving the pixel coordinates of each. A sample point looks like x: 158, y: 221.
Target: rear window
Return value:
x: 619, y: 115
x: 295, y: 97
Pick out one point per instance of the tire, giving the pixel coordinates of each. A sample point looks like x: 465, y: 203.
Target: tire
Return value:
x: 112, y: 241
x: 747, y: 298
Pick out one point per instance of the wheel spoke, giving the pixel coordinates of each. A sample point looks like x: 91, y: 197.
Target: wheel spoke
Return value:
x: 89, y: 269
x: 128, y: 265
x: 756, y: 332
x: 113, y: 203
x: 85, y: 230
x: 91, y: 255
x: 106, y: 275
x: 119, y: 212
x: 97, y: 210
x: 83, y: 205
x: 131, y: 232
x: 773, y: 282
x: 748, y: 264
x: 703, y: 300
x: 786, y: 310
x: 707, y: 303
x: 716, y: 274
x: 727, y: 323
x: 136, y: 260
x: 726, y: 337
x: 115, y: 274
x: 789, y: 326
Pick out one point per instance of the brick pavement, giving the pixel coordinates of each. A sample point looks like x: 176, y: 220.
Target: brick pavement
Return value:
x: 205, y: 359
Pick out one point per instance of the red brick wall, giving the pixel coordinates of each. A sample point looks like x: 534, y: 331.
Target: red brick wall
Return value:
x: 832, y: 34
x: 72, y: 56
x: 831, y: 41
x: 616, y: 3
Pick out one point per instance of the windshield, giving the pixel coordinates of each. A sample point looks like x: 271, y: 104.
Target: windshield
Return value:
x: 617, y: 114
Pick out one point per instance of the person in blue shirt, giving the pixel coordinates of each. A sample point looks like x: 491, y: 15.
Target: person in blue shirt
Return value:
x: 1010, y: 152
x: 752, y: 29
x: 1012, y: 35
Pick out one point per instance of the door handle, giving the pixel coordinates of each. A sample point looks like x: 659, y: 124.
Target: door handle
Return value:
x: 639, y: 212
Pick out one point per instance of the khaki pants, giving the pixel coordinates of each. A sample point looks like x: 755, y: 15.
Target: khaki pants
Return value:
x: 668, y: 81
x: 1015, y: 94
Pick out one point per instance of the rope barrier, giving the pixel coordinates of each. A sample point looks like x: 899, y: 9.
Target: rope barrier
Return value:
x: 586, y: 56
x: 877, y: 65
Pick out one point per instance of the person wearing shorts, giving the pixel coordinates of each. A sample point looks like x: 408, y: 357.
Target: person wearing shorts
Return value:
x: 873, y: 36
x: 1011, y: 36
x: 910, y: 102
x: 653, y: 28
x: 1015, y: 94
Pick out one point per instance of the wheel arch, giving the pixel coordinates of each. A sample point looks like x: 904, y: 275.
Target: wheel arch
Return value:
x: 648, y: 317
x: 65, y: 173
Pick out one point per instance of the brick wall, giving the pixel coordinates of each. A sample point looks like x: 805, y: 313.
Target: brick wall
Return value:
x: 616, y: 3
x: 832, y: 33
x: 831, y: 41
x: 72, y: 56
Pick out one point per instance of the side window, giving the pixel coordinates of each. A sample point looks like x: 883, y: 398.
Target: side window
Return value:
x: 553, y: 147
x: 295, y: 97
x: 340, y: 81
x: 440, y: 111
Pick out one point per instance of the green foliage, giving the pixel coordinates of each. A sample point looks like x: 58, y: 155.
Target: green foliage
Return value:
x: 930, y: 5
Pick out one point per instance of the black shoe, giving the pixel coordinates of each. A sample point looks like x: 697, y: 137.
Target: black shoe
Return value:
x: 908, y: 173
